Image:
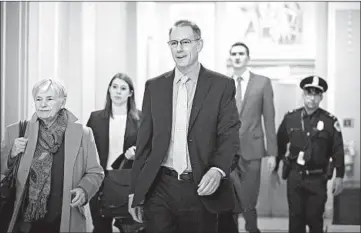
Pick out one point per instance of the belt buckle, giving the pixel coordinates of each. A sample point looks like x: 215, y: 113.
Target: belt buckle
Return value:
x: 185, y: 175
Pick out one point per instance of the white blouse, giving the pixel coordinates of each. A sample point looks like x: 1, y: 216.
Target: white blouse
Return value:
x: 117, y: 126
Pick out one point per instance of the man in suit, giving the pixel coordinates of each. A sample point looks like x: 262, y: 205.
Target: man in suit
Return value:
x: 187, y: 140
x: 254, y: 98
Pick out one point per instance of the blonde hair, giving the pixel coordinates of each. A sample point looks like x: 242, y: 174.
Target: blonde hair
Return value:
x: 45, y: 84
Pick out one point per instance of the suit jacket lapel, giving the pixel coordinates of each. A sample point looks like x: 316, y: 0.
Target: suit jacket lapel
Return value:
x: 203, y: 85
x: 166, y: 90
x: 104, y: 121
x: 73, y: 137
x: 129, y: 129
x: 32, y: 136
x: 248, y: 91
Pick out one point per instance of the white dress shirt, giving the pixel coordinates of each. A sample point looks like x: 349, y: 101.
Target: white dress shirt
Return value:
x: 245, y: 79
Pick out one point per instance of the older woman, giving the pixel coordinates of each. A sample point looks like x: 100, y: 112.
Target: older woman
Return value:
x: 59, y: 171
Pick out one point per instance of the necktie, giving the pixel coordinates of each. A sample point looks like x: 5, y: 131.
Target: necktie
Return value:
x: 239, y: 93
x: 180, y: 129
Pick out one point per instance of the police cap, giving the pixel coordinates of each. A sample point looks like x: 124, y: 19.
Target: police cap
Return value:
x: 314, y: 81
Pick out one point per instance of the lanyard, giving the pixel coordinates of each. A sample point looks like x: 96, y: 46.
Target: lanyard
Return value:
x: 302, y: 121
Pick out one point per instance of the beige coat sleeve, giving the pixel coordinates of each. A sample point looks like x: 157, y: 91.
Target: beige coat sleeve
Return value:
x: 94, y: 173
x: 6, y: 146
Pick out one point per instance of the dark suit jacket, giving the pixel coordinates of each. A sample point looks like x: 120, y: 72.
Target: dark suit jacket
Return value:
x: 257, y: 102
x: 99, y: 123
x: 212, y: 134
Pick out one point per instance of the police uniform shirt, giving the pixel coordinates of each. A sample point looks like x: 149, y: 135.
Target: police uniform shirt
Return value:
x: 318, y: 135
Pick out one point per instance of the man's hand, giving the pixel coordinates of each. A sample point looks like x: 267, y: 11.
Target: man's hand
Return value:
x: 79, y: 198
x: 209, y: 182
x: 130, y: 153
x: 337, y: 186
x: 271, y: 163
x: 275, y: 179
x: 136, y: 212
x: 18, y: 146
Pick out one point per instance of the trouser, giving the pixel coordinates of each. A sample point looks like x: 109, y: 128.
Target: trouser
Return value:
x: 227, y: 223
x: 307, y: 195
x: 42, y: 226
x: 173, y: 206
x: 247, y: 189
x: 100, y: 224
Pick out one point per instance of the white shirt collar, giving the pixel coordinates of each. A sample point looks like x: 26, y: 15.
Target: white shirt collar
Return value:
x: 246, y: 75
x: 192, y: 75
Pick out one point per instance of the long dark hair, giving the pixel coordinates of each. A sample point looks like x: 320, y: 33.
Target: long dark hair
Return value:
x: 132, y: 109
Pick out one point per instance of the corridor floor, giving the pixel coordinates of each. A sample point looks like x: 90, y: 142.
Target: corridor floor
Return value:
x: 281, y: 225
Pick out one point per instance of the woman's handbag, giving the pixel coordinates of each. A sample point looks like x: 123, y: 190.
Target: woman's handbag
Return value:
x: 113, y: 197
x: 8, y: 187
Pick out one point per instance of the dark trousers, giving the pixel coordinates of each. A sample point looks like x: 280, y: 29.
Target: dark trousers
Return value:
x: 227, y: 223
x: 101, y: 225
x: 42, y: 226
x: 248, y: 190
x: 307, y: 195
x: 173, y: 206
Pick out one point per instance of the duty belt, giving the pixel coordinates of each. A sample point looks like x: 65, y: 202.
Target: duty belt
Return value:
x: 304, y: 171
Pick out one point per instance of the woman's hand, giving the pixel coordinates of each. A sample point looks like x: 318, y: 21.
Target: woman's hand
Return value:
x: 79, y: 197
x: 130, y: 153
x: 18, y: 146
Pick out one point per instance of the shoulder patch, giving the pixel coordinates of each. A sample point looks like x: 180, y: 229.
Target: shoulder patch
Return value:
x: 293, y: 111
x: 336, y: 125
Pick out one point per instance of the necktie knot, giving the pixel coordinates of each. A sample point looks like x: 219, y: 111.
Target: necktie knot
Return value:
x: 184, y: 79
x: 239, y: 79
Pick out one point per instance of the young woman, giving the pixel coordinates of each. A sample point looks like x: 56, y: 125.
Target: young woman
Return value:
x: 115, y: 130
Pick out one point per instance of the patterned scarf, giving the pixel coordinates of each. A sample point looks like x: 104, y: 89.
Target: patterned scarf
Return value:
x: 49, y: 141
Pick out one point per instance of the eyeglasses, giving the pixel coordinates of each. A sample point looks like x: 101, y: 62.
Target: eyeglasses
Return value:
x: 184, y: 42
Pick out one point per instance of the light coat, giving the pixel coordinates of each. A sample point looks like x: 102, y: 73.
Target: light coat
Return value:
x: 81, y: 169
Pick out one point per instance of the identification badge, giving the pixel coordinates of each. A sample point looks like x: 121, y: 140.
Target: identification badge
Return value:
x: 320, y: 125
x: 300, y: 159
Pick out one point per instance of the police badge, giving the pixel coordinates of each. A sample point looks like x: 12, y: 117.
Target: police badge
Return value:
x: 320, y: 125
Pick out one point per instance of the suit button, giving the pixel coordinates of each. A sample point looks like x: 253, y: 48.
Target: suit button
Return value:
x: 190, y: 140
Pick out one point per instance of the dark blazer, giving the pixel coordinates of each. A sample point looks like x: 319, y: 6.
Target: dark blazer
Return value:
x: 99, y: 123
x: 213, y: 138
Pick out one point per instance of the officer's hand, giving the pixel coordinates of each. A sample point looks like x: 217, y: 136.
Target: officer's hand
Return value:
x: 209, y: 182
x: 271, y: 163
x: 18, y: 146
x: 337, y: 186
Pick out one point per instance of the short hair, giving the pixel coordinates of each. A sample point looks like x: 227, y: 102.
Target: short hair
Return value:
x: 185, y: 23
x: 239, y: 44
x: 49, y: 83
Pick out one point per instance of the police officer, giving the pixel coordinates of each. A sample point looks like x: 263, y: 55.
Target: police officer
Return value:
x: 310, y: 145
